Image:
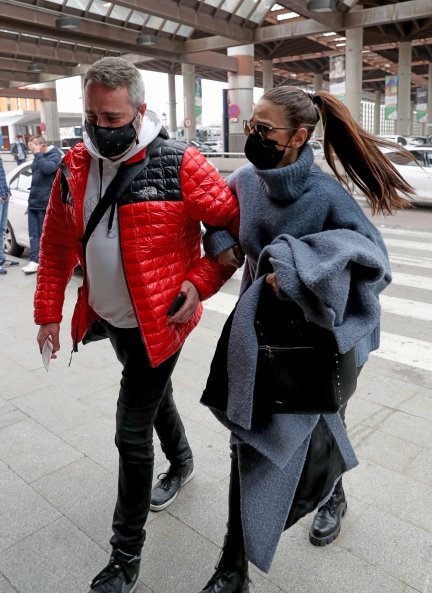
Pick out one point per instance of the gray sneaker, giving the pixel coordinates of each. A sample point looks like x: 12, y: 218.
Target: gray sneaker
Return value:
x: 169, y: 484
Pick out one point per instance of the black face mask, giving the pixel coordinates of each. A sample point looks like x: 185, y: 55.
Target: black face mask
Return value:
x: 263, y: 153
x: 112, y: 142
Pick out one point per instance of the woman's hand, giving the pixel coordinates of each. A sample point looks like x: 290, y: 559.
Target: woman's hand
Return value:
x: 271, y: 279
x: 233, y: 257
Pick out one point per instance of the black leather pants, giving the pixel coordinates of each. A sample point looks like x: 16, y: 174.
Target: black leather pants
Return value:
x: 145, y: 401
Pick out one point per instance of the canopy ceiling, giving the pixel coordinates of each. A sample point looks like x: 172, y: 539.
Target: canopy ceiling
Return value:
x: 199, y: 32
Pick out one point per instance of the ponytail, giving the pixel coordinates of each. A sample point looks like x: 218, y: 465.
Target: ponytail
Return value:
x: 361, y: 157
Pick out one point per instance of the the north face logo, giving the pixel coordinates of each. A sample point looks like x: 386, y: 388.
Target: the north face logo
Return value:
x: 147, y: 192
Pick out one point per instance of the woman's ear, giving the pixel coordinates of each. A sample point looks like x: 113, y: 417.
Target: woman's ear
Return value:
x: 299, y: 137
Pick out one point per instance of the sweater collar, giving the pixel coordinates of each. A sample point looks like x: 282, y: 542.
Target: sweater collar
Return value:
x: 288, y: 183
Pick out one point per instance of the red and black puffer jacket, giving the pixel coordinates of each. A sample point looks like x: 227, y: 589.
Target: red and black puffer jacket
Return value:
x: 159, y: 224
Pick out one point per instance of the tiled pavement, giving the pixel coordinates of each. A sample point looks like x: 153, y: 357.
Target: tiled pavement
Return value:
x: 58, y: 473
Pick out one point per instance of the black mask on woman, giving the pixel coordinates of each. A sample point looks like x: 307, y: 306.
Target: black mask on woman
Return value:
x: 112, y: 142
x: 263, y: 153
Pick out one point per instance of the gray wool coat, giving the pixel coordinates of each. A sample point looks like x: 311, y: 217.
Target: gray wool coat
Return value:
x: 300, y: 223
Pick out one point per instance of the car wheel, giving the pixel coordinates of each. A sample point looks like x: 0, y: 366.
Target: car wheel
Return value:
x: 11, y: 247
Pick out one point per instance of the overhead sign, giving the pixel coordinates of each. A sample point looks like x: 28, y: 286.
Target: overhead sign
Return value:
x: 233, y: 110
x: 187, y: 122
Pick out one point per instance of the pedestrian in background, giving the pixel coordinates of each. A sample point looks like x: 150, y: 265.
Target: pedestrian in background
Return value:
x: 44, y: 168
x: 4, y: 206
x: 305, y: 236
x: 19, y: 150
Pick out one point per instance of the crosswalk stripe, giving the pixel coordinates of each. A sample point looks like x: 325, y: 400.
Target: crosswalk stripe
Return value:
x: 224, y: 303
x: 418, y: 245
x: 400, y: 349
x: 221, y: 302
x: 413, y: 262
x: 412, y: 281
x: 406, y: 232
x: 406, y: 308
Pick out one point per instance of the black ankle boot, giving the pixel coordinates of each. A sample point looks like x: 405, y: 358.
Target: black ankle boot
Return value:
x: 326, y: 525
x: 231, y: 574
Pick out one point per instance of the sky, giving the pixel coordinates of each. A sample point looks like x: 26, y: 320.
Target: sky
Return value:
x: 69, y: 97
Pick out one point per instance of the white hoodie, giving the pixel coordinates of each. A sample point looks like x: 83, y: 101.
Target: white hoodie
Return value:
x: 108, y: 292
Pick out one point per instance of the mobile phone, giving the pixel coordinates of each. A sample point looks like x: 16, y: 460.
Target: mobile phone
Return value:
x: 177, y: 303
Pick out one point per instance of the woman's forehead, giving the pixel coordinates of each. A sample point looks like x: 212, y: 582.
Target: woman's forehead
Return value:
x: 266, y: 110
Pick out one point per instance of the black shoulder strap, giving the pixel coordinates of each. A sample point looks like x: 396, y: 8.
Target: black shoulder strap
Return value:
x: 125, y: 175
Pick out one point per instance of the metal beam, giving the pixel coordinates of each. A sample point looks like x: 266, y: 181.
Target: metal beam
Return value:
x: 391, y: 13
x: 27, y: 49
x: 369, y: 17
x: 109, y: 38
x: 21, y: 66
x: 175, y: 11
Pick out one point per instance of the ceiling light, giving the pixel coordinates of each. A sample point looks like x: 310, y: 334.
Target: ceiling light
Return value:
x: 146, y: 39
x: 68, y: 22
x: 321, y: 5
x: 36, y: 68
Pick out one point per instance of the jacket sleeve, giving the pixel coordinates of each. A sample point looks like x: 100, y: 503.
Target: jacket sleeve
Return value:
x: 48, y: 163
x: 208, y: 198
x: 57, y: 260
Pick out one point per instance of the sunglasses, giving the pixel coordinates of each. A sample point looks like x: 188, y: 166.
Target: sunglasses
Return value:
x: 261, y: 129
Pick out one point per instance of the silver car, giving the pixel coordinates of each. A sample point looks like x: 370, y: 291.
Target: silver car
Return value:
x: 16, y: 238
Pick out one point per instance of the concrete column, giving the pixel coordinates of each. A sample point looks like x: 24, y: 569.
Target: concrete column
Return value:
x: 318, y: 85
x: 404, y: 113
x: 267, y: 72
x: 188, y: 73
x: 354, y: 71
x: 172, y: 105
x: 240, y: 88
x: 377, y: 113
x: 429, y: 101
x: 49, y: 114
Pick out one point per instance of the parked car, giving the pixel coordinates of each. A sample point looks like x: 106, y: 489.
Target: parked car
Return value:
x: 16, y: 238
x: 212, y: 146
x: 318, y: 148
x: 396, y: 138
x: 420, y: 140
x: 418, y: 172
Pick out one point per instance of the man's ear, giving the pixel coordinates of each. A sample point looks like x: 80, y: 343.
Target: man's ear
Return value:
x: 142, y: 108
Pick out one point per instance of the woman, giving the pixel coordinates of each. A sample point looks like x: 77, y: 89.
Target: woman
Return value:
x: 305, y: 236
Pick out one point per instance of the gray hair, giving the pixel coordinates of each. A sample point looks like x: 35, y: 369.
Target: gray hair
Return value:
x: 116, y: 72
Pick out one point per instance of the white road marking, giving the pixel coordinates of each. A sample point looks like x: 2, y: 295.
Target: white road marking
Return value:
x: 412, y: 281
x: 418, y: 245
x: 403, y: 350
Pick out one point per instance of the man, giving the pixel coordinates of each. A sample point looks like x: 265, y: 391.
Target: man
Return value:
x: 143, y: 253
x: 44, y: 168
x: 4, y: 206
x: 18, y: 150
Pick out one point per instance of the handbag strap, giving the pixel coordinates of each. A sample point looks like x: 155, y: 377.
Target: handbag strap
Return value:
x: 125, y: 175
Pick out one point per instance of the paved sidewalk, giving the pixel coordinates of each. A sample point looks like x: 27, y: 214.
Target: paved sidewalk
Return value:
x: 58, y: 467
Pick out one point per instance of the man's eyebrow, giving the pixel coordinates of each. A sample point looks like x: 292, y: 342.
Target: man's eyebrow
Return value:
x: 106, y: 112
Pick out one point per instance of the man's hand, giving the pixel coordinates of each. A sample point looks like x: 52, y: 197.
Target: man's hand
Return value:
x: 189, y: 306
x: 271, y: 279
x: 233, y: 257
x: 52, y: 331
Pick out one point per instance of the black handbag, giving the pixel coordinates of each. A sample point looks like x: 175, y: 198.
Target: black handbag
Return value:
x: 299, y: 368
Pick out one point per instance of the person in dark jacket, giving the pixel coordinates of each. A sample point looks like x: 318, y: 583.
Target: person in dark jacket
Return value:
x: 19, y: 151
x: 44, y: 169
